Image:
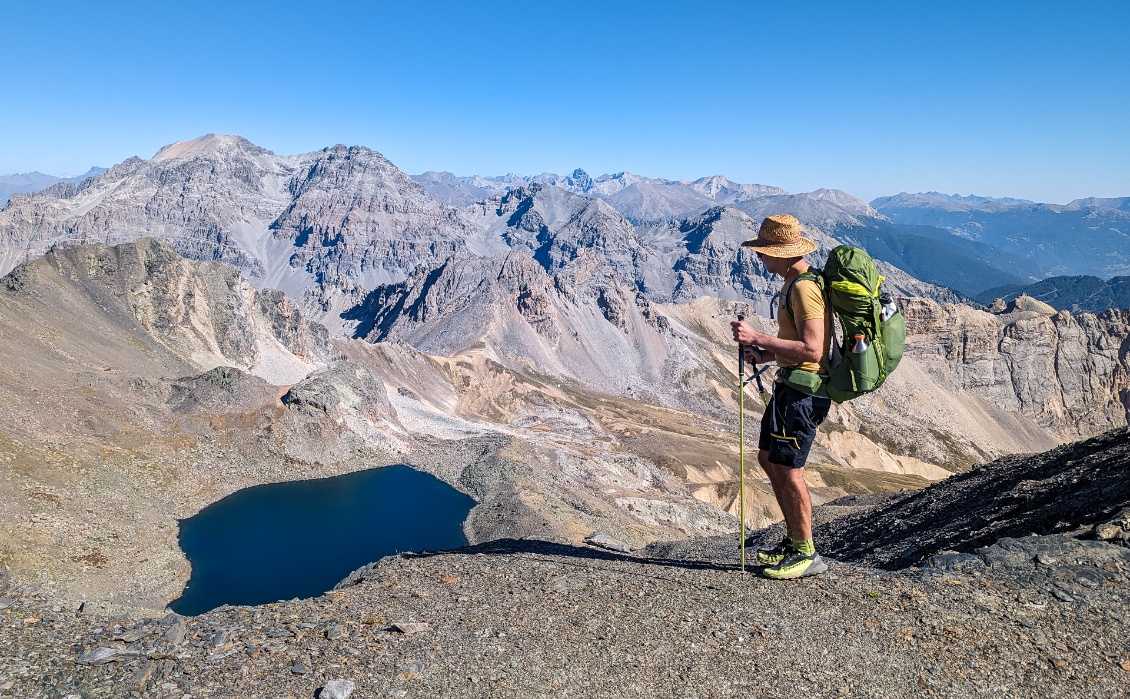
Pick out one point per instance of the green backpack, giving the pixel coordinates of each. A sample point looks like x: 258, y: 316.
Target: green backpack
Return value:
x: 874, y: 329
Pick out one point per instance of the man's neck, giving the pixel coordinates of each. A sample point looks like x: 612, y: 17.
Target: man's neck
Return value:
x: 796, y: 269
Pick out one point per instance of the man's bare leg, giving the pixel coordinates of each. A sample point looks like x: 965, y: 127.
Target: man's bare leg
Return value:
x: 771, y: 471
x: 792, y: 496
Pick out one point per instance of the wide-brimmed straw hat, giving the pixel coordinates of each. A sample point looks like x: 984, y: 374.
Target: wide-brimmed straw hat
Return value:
x: 779, y: 236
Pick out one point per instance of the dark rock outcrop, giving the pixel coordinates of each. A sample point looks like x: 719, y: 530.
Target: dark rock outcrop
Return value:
x: 1067, y: 490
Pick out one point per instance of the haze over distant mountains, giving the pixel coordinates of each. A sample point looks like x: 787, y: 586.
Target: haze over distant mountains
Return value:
x: 647, y: 199
x: 1088, y: 236
x: 30, y: 182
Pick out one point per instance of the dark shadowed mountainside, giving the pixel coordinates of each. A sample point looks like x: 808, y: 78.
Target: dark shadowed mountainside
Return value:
x: 937, y: 256
x: 1086, y: 236
x: 1083, y: 294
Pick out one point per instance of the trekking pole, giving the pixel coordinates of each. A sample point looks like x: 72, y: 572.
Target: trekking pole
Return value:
x: 741, y: 447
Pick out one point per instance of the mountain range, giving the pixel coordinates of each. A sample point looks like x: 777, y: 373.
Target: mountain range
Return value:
x: 970, y: 244
x: 30, y: 182
x: 328, y: 227
x: 219, y: 316
x: 1084, y: 237
x: 537, y: 276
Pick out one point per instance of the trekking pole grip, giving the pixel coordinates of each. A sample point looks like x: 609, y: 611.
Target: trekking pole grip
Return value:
x: 741, y: 350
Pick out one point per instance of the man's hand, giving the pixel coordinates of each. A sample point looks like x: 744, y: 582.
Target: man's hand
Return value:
x: 744, y: 334
x: 752, y: 341
x: 756, y: 355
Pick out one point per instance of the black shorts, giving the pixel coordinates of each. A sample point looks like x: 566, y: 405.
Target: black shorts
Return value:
x: 789, y: 425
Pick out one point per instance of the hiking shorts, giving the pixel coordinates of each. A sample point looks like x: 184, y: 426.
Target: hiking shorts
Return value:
x: 789, y: 425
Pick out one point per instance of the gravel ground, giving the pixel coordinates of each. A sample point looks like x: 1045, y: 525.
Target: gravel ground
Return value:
x: 1042, y: 612
x: 525, y: 618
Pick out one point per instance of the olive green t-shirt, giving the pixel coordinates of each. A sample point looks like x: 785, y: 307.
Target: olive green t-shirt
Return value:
x: 806, y: 303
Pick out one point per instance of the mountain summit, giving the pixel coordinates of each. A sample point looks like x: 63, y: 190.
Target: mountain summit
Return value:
x: 207, y: 145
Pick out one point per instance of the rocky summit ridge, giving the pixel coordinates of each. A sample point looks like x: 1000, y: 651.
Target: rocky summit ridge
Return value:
x: 1041, y: 614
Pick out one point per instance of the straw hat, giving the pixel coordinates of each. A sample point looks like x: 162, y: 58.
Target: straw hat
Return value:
x: 779, y: 236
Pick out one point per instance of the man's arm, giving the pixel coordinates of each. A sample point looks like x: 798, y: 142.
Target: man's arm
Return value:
x: 810, y: 347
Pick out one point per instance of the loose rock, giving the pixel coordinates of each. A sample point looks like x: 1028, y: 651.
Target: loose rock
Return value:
x: 337, y: 689
x: 99, y: 656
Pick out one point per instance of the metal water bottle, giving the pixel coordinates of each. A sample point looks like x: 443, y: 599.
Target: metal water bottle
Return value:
x: 860, y: 344
x: 889, y: 308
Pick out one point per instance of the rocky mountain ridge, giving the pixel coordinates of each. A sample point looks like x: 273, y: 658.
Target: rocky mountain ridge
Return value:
x: 1010, y: 358
x: 644, y: 199
x: 327, y: 228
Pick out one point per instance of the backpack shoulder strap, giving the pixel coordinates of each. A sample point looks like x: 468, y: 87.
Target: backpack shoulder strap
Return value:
x: 817, y: 277
x: 808, y: 275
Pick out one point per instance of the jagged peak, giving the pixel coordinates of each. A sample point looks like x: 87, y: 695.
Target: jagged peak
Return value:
x: 715, y: 214
x: 342, y: 149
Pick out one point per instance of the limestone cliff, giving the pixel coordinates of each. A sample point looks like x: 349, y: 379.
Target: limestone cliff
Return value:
x: 1068, y: 373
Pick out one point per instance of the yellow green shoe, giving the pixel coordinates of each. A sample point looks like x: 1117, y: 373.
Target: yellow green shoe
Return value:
x: 773, y: 556
x: 796, y: 565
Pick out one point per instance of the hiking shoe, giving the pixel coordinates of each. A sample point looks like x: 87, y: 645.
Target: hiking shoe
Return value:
x: 796, y: 565
x: 773, y: 556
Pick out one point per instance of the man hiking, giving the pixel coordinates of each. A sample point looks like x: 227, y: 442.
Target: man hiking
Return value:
x: 791, y: 417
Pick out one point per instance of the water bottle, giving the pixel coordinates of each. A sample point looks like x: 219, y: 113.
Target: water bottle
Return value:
x: 864, y: 364
x: 889, y: 308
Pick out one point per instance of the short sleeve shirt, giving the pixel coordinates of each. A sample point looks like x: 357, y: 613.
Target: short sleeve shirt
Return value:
x: 806, y: 302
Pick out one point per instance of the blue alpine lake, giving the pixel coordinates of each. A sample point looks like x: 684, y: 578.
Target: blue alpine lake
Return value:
x: 299, y: 539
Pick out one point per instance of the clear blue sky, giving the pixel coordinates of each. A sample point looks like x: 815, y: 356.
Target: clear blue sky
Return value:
x: 1025, y: 99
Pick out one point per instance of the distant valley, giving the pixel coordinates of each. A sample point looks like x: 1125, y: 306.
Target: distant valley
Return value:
x: 1084, y: 237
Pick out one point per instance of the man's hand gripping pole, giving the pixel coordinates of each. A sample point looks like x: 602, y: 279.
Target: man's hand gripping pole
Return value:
x: 756, y: 375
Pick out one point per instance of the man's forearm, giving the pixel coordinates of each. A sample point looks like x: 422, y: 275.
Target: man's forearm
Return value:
x: 786, y: 349
x: 808, y: 349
